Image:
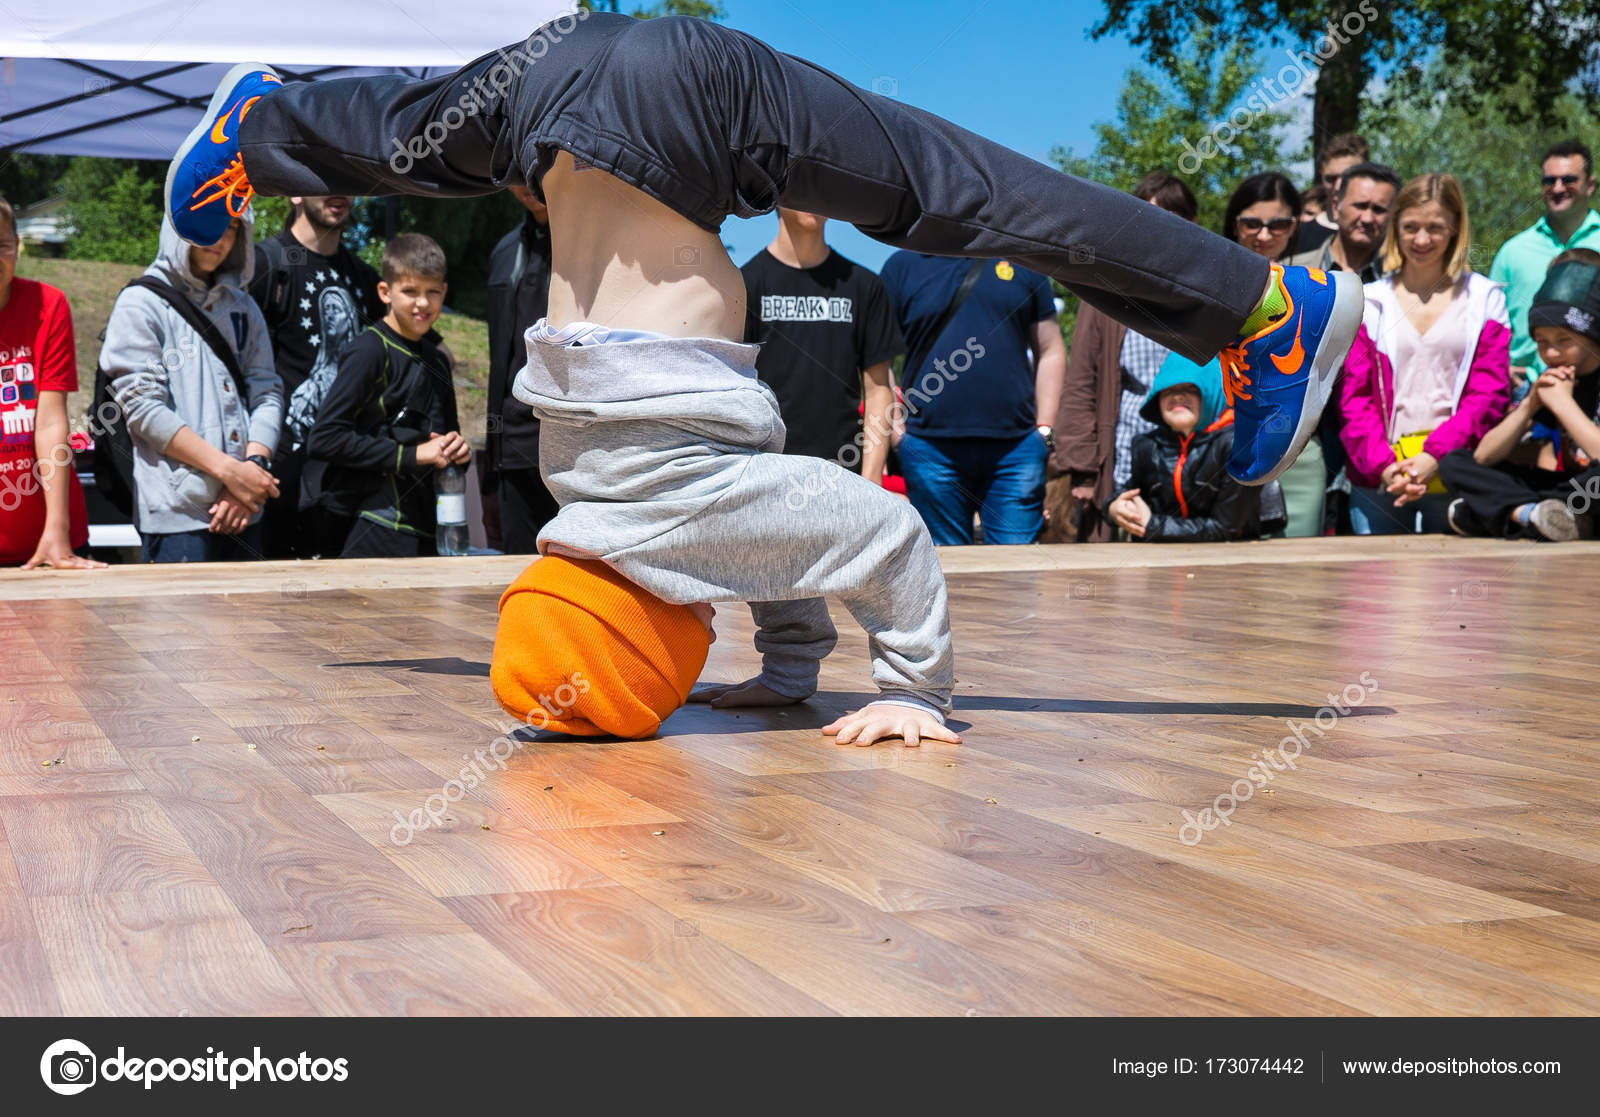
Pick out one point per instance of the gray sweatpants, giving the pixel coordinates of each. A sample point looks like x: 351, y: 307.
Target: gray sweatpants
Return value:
x: 664, y: 454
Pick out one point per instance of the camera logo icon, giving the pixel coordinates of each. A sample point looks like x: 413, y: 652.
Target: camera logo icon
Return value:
x: 67, y: 1067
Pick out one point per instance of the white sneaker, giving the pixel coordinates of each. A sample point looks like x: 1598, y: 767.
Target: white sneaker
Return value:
x: 1554, y: 520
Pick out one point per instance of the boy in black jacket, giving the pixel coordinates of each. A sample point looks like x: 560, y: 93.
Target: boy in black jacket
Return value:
x: 1181, y: 489
x: 379, y: 425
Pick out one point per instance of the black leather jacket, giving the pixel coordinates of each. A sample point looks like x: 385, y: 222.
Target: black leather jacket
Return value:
x: 1185, y: 482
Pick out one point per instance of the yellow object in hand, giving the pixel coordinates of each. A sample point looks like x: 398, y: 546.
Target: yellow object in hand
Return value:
x: 1408, y: 447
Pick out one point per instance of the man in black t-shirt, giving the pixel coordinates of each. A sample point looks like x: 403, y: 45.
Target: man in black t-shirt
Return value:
x: 515, y: 501
x: 316, y: 295
x: 827, y: 339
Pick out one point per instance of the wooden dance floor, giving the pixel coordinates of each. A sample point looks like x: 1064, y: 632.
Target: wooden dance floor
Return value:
x: 202, y: 768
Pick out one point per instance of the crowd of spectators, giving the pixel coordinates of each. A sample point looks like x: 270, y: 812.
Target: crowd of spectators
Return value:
x: 284, y: 399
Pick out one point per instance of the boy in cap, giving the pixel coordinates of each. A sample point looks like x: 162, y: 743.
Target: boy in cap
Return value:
x: 1537, y: 474
x: 657, y: 439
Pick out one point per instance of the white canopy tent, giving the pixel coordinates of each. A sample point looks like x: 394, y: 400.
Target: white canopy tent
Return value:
x: 129, y: 79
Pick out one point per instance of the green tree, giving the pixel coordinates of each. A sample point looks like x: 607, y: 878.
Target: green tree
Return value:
x: 1489, y: 44
x: 1183, y: 125
x: 701, y: 9
x: 270, y: 215
x: 466, y: 228
x: 114, y: 206
x: 697, y: 8
x: 25, y: 179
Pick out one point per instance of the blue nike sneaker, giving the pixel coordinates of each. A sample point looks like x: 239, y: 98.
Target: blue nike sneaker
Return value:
x: 1279, y: 379
x: 206, y: 184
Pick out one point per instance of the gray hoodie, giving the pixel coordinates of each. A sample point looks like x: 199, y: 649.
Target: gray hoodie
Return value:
x: 165, y: 378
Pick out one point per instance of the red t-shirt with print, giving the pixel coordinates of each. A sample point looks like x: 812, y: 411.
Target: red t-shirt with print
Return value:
x: 36, y: 355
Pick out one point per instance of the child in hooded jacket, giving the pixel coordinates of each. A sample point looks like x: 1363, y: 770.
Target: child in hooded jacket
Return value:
x: 201, y: 454
x: 1180, y: 489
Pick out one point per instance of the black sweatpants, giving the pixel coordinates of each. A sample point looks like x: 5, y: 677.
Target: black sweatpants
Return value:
x: 1493, y: 492
x: 713, y: 123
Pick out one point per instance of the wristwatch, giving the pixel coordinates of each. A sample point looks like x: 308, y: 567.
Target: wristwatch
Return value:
x: 1048, y: 434
x: 262, y: 460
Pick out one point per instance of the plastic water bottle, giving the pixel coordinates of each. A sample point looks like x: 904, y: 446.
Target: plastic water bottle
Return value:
x: 450, y: 510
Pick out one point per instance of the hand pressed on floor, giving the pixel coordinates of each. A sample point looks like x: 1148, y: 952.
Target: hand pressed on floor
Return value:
x: 879, y: 721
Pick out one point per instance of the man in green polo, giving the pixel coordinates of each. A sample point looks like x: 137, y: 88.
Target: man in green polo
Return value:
x: 1567, y: 182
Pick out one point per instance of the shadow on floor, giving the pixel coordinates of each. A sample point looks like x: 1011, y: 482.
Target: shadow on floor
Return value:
x: 440, y: 665
x: 824, y: 707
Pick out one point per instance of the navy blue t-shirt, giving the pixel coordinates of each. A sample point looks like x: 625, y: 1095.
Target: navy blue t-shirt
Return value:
x: 977, y: 380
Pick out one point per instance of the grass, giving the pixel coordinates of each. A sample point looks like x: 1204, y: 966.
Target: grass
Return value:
x: 91, y: 286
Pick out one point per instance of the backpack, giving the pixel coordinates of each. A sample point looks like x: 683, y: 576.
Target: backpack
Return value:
x: 113, y: 445
x: 276, y: 305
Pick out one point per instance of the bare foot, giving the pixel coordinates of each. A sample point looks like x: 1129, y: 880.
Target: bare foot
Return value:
x: 751, y: 692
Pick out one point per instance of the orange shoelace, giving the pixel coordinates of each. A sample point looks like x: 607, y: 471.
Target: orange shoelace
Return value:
x: 231, y: 186
x: 1235, y: 366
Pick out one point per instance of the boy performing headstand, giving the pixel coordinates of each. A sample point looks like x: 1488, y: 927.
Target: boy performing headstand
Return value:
x: 657, y: 439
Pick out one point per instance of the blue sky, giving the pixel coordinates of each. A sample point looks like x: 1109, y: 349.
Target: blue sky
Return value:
x: 1022, y: 74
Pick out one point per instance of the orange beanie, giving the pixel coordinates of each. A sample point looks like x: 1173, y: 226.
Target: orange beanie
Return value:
x: 582, y: 650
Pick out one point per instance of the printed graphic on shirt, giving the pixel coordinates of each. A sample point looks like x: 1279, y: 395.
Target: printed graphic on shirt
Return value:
x: 36, y: 357
x: 340, y: 324
x: 337, y: 311
x: 819, y: 329
x: 18, y: 398
x: 806, y: 308
x: 307, y: 325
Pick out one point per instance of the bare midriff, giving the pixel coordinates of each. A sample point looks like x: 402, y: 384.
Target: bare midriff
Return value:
x: 620, y: 258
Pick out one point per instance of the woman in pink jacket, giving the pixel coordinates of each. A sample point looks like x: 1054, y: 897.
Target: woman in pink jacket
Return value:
x: 1429, y: 371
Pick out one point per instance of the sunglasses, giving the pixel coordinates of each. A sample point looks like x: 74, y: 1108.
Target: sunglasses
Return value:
x: 1255, y: 224
x: 1564, y: 180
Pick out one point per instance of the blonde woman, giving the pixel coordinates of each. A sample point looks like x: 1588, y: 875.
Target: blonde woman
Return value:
x: 1429, y: 370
